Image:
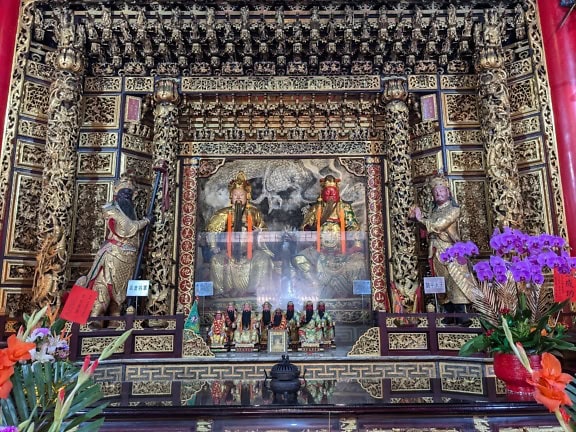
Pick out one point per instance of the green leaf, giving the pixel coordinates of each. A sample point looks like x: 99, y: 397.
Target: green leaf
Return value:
x: 477, y: 344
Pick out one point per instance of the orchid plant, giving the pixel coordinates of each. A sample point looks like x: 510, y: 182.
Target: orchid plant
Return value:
x: 509, y: 285
x: 40, y: 390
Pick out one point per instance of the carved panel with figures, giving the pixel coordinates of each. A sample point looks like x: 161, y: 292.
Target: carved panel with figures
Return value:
x: 426, y: 165
x: 90, y: 228
x: 468, y: 162
x: 536, y: 202
x: 23, y: 234
x: 529, y: 151
x: 97, y: 163
x: 460, y: 109
x: 472, y: 195
x: 32, y: 129
x: 30, y: 154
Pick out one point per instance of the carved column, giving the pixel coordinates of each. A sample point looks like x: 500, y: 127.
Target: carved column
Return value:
x: 404, y: 277
x: 375, y: 196
x: 60, y: 161
x: 161, y: 242
x: 496, y: 125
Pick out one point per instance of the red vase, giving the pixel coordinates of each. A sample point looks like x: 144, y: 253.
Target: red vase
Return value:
x: 508, y: 368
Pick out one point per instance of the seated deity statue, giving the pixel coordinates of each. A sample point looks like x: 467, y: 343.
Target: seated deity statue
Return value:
x: 265, y: 322
x: 292, y: 323
x: 230, y: 318
x: 278, y: 320
x: 240, y: 265
x: 331, y: 267
x: 217, y: 333
x: 247, y: 329
x: 310, y: 330
x: 326, y: 323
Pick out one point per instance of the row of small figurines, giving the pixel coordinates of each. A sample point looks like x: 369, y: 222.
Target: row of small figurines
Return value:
x: 309, y: 326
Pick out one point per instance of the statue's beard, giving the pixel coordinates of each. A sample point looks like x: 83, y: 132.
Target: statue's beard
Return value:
x: 327, y: 211
x: 309, y: 314
x: 266, y: 317
x: 321, y: 314
x: 127, y: 207
x: 277, y: 320
x: 231, y: 315
x: 246, y: 319
x: 238, y: 212
x: 289, y: 314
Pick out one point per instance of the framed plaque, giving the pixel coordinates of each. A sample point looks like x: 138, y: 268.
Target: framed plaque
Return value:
x: 277, y: 341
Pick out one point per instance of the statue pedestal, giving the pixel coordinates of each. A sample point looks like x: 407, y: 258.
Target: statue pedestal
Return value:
x: 310, y: 347
x: 218, y: 348
x: 244, y: 347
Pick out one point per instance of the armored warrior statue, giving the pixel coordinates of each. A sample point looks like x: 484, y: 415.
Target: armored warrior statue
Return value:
x: 115, y: 261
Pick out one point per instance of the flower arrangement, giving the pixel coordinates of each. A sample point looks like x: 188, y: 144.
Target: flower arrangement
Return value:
x: 509, y: 286
x: 40, y: 390
x: 549, y: 382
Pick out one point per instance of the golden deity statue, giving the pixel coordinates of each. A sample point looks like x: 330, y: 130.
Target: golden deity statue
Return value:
x: 115, y: 261
x: 441, y: 223
x: 241, y: 264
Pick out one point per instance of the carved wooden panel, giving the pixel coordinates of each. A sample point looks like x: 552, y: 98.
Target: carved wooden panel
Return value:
x: 32, y: 129
x: 422, y: 82
x: 460, y: 109
x: 38, y: 70
x: 23, y: 221
x: 35, y: 101
x: 19, y: 271
x: 97, y: 163
x: 463, y: 137
x: 98, y: 139
x: 139, y: 84
x: 529, y: 151
x: 466, y: 162
x: 523, y: 98
x: 102, y: 84
x: 29, y: 154
x: 536, y: 201
x: 472, y: 195
x: 101, y: 111
x: 426, y: 165
x: 89, y: 229
x: 458, y: 82
x: 526, y: 126
x: 140, y: 166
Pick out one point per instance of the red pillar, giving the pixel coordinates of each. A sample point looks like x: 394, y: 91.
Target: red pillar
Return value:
x: 8, y: 28
x: 560, y: 48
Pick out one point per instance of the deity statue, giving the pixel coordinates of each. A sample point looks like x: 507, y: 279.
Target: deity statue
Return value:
x: 332, y: 266
x: 310, y: 330
x: 292, y: 323
x: 115, y: 261
x: 218, y: 330
x: 326, y: 323
x: 278, y: 320
x: 244, y: 267
x: 247, y: 329
x: 230, y: 318
x: 442, y: 226
x: 265, y: 322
